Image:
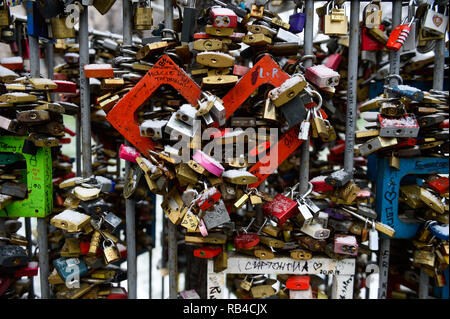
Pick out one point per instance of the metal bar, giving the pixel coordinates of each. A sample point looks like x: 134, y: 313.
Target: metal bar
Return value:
x: 85, y: 94
x: 43, y: 257
x: 172, y: 238
x: 394, y: 56
x: 130, y: 203
x: 439, y: 59
x: 49, y: 59
x: 308, y: 50
x: 385, y: 248
x: 350, y: 126
x: 78, y: 143
x: 30, y: 254
x: 423, y: 284
x: 150, y: 265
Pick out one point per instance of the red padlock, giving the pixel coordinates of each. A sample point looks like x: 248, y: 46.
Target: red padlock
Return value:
x: 333, y: 61
x: 65, y: 87
x: 240, y: 70
x: 319, y: 184
x: 246, y: 241
x: 118, y: 293
x: 398, y: 36
x: 207, y: 252
x: 84, y: 247
x: 30, y: 270
x: 208, y: 198
x: 223, y: 17
x: 439, y: 184
x: 338, y: 149
x: 201, y: 35
x: 444, y: 124
x: 281, y: 209
x: 262, y: 147
x: 298, y: 283
x: 368, y: 43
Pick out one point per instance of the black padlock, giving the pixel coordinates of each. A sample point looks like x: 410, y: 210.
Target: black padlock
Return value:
x: 153, y: 39
x: 294, y: 111
x: 338, y: 178
x: 95, y: 206
x: 12, y: 256
x: 29, y: 147
x: 50, y: 8
x: 14, y: 189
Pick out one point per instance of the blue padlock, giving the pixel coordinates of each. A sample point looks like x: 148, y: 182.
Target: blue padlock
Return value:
x: 408, y: 91
x: 297, y: 21
x: 439, y: 231
x: 36, y: 25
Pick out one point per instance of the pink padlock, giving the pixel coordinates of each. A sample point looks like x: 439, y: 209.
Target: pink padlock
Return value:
x: 128, y: 153
x: 345, y: 245
x: 202, y: 228
x: 209, y: 163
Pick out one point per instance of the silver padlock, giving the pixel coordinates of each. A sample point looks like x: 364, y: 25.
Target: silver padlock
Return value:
x: 315, y: 230
x: 187, y: 113
x: 175, y: 127
x: 287, y: 36
x: 216, y: 216
x: 322, y: 76
x: 152, y: 128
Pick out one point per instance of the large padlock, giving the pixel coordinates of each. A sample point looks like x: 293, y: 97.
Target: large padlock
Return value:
x: 60, y: 30
x: 216, y: 216
x: 281, y: 209
x: 434, y: 21
x: 398, y: 36
x: 368, y: 43
x: 143, y: 16
x: 335, y: 22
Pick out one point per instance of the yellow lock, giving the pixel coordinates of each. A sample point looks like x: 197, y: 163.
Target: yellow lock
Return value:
x: 220, y: 80
x: 335, y: 22
x: 219, y: 31
x: 256, y: 39
x: 143, y: 18
x: 215, y: 60
x: 208, y: 45
x: 60, y: 30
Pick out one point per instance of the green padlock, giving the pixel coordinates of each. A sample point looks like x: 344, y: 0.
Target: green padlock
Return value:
x: 39, y: 179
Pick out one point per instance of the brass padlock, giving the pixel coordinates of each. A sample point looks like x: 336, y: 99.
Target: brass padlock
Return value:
x: 257, y: 11
x: 110, y: 251
x: 335, y: 22
x: 143, y: 17
x: 103, y: 6
x: 5, y: 17
x: 95, y: 243
x: 208, y: 45
x: 349, y: 192
x: 60, y: 29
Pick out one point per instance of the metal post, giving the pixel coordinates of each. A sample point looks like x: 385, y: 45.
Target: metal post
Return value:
x: 85, y: 93
x: 49, y: 57
x: 394, y: 60
x: 43, y: 257
x: 129, y: 203
x: 308, y: 50
x: 172, y: 239
x: 423, y: 284
x: 33, y: 43
x: 30, y: 254
x: 385, y: 248
x: 394, y: 56
x: 439, y: 59
x: 350, y: 126
x: 150, y: 264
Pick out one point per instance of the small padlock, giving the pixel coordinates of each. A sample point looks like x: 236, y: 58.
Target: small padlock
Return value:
x: 297, y: 20
x: 434, y: 21
x: 110, y: 251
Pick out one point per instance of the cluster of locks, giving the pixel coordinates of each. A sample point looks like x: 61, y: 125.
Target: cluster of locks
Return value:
x: 214, y: 108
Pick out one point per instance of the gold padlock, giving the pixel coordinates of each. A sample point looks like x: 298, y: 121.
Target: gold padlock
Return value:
x: 110, y: 251
x: 5, y: 17
x: 256, y: 39
x: 262, y: 291
x: 208, y: 45
x: 335, y: 22
x: 424, y: 258
x: 95, y: 243
x: 256, y: 11
x: 103, y: 6
x: 220, y: 80
x: 221, y: 260
x: 60, y: 30
x: 219, y: 31
x: 143, y: 18
x: 348, y: 192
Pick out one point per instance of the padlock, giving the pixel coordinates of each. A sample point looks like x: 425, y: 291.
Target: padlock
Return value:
x: 398, y: 36
x: 223, y: 17
x: 439, y: 184
x: 335, y: 22
x: 209, y: 163
x: 369, y: 42
x: 345, y: 245
x: 315, y: 230
x: 372, y: 14
x: 434, y: 21
x: 322, y: 76
x: 406, y: 126
x: 297, y: 20
x: 424, y: 258
x: 95, y: 243
x: 376, y: 144
x: 299, y: 254
x: 207, y: 252
x: 60, y: 29
x: 12, y: 256
x: 298, y: 282
x: 103, y: 6
x: 216, y: 216
x: 143, y: 16
x: 70, y: 220
x: 5, y: 16
x: 208, y: 198
x: 288, y: 90
x: 239, y: 177
x: 110, y: 251
x: 256, y: 39
x: 281, y: 209
x: 257, y: 11
x: 218, y: 31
